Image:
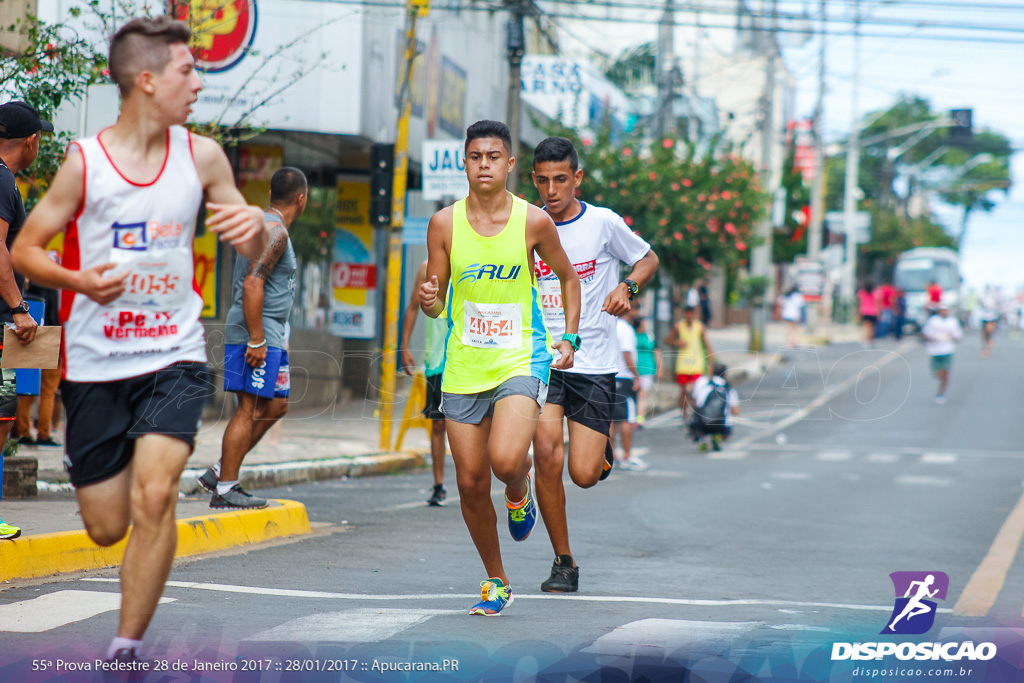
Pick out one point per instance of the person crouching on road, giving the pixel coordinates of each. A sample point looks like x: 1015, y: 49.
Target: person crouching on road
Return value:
x: 256, y: 336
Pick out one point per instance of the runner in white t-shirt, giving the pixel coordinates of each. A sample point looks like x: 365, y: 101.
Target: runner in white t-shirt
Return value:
x: 597, y: 241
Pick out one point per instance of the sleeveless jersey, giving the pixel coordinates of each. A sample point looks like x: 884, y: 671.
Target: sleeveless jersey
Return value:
x: 690, y: 360
x: 278, y: 297
x: 496, y: 328
x: 147, y: 229
x: 434, y: 340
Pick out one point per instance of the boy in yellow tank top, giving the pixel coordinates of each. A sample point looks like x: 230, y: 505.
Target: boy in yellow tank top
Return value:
x: 695, y: 356
x: 497, y: 357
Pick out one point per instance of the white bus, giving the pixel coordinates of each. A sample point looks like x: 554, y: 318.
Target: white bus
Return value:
x: 916, y: 268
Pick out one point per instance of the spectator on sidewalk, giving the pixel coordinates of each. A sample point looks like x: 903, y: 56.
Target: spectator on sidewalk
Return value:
x: 941, y: 333
x: 134, y: 399
x: 792, y: 313
x: 648, y: 365
x: 933, y: 297
x: 627, y: 381
x: 868, y: 306
x: 256, y: 336
x: 20, y: 132
x: 695, y: 353
x: 705, y: 303
x: 899, y: 313
x: 433, y: 361
x: 886, y: 296
x: 49, y: 379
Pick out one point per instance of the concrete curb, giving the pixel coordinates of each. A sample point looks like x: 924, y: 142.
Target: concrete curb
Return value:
x: 302, y: 471
x: 69, y: 551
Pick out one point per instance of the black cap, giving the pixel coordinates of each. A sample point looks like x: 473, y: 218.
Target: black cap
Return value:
x: 19, y: 120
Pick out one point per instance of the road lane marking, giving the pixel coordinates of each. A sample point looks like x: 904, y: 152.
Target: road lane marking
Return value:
x: 57, y: 609
x: 983, y: 588
x: 823, y: 398
x: 794, y: 476
x: 361, y: 625
x: 648, y: 637
x: 923, y: 480
x: 727, y: 455
x: 391, y: 597
x: 938, y: 458
x: 833, y: 456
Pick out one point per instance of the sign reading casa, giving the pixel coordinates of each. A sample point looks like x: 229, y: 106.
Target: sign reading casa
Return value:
x: 223, y: 30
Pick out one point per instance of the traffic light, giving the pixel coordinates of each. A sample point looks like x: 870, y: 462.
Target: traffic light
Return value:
x: 382, y: 170
x: 961, y: 133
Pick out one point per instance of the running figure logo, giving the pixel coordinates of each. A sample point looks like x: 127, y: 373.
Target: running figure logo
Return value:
x: 914, y: 613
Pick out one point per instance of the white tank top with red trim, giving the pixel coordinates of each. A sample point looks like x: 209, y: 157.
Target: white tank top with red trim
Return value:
x: 148, y: 230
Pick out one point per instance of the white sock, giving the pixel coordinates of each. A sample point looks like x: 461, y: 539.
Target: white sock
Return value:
x: 225, y: 486
x: 216, y: 468
x: 120, y: 643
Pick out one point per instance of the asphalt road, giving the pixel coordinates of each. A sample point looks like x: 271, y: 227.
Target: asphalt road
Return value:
x: 749, y: 562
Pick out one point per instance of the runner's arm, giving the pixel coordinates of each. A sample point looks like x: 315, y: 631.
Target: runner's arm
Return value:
x: 673, y: 338
x: 54, y: 211
x: 543, y: 235
x: 710, y: 352
x: 252, y: 292
x: 233, y: 219
x: 409, y: 321
x: 617, y: 302
x: 434, y: 289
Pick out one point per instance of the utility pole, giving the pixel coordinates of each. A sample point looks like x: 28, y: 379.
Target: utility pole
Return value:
x: 815, y: 230
x: 665, y: 73
x: 852, y: 170
x: 414, y: 9
x: 761, y: 257
x: 516, y: 44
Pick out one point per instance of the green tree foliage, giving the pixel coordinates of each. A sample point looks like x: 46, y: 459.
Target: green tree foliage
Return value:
x: 50, y: 65
x: 892, y: 233
x: 790, y: 240
x: 695, y: 210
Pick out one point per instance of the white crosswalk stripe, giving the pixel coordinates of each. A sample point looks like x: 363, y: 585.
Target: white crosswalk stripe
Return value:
x: 57, y: 609
x: 650, y: 637
x: 363, y: 625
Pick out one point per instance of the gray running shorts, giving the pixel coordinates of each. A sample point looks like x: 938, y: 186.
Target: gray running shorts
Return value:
x: 473, y: 408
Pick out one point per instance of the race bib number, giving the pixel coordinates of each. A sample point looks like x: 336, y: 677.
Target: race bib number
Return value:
x: 492, y: 326
x: 551, y: 300
x: 158, y: 280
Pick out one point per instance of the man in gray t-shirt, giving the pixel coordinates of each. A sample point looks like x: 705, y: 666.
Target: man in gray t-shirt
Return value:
x: 256, y: 336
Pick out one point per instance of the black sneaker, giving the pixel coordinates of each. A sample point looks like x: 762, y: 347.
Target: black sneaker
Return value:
x: 564, y: 578
x: 26, y: 440
x: 208, y: 480
x: 609, y: 461
x: 237, y: 499
x: 439, y: 496
x: 48, y: 441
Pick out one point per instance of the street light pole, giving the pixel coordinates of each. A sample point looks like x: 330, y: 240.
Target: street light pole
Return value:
x: 852, y: 170
x: 761, y: 257
x: 815, y: 230
x: 516, y: 46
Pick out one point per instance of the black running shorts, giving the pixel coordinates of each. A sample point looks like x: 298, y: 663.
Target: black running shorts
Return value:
x: 105, y: 418
x: 586, y: 399
x: 432, y: 411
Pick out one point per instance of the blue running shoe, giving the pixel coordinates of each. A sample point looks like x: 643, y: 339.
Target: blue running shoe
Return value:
x: 522, y: 517
x: 496, y: 597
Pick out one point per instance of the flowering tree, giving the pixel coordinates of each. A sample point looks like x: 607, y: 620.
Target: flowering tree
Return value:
x: 696, y: 210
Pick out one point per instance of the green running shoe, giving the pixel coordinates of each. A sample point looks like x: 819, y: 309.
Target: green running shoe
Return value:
x: 8, y: 530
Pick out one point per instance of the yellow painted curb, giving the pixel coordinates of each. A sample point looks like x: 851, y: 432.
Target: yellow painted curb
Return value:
x: 70, y: 551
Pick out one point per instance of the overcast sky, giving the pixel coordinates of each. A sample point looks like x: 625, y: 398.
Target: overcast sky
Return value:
x: 985, y: 75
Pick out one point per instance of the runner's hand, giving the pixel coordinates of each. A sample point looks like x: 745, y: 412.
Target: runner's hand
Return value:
x: 26, y: 328
x: 565, y: 349
x: 408, y: 362
x: 617, y: 301
x: 235, y: 223
x: 428, y: 295
x: 255, y: 357
x: 102, y: 288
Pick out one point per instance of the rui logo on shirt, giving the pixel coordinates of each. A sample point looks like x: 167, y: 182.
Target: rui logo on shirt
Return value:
x: 477, y: 271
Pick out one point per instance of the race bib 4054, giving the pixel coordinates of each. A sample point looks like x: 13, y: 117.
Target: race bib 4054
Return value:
x: 492, y: 326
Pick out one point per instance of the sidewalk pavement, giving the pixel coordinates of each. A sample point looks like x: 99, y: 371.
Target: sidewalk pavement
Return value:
x: 336, y: 441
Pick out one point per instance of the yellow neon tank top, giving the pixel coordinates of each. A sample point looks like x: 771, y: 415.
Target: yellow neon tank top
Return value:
x: 690, y: 360
x: 496, y: 327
